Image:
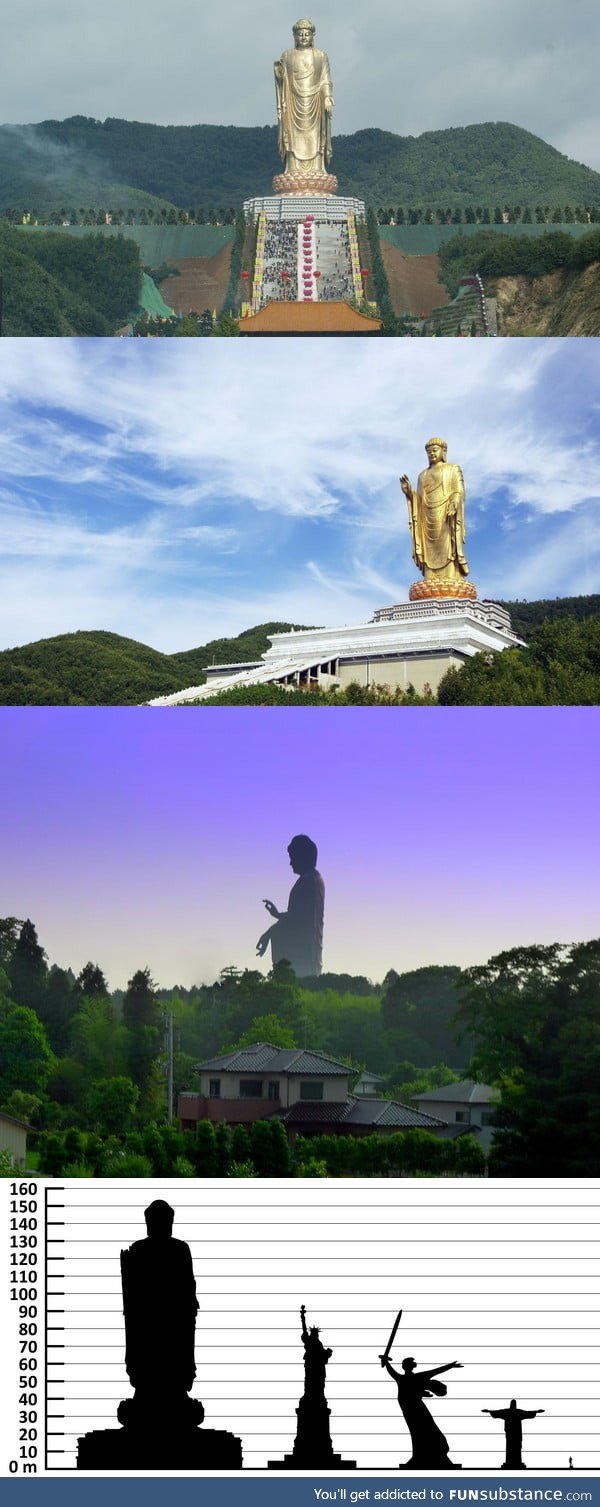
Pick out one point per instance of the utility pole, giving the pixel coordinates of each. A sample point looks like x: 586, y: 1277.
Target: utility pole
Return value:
x: 170, y: 1067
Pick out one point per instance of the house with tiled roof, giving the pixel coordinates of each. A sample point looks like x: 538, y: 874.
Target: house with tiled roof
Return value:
x: 308, y: 1091
x: 466, y: 1105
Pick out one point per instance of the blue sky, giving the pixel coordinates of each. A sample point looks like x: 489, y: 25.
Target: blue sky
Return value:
x: 178, y: 491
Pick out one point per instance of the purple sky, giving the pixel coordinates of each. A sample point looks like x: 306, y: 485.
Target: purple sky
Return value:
x: 136, y: 837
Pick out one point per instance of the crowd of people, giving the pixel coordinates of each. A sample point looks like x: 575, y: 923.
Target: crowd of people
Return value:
x: 280, y: 260
x: 283, y: 260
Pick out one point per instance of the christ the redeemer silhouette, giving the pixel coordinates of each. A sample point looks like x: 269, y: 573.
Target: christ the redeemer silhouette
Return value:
x: 513, y: 1428
x: 160, y: 1424
x: 297, y: 935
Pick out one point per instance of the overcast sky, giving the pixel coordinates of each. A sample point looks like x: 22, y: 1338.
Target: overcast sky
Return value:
x: 139, y: 837
x: 403, y: 68
x: 176, y: 491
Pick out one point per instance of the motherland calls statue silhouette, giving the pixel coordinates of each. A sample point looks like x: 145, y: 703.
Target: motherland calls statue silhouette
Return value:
x: 513, y: 1429
x: 429, y: 1444
x: 297, y: 935
x: 313, y: 1448
x: 161, y: 1422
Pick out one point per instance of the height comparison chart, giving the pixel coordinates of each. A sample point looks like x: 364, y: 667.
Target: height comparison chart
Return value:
x: 494, y: 1285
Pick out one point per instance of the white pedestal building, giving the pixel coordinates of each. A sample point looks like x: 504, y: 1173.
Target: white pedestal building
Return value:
x: 412, y: 644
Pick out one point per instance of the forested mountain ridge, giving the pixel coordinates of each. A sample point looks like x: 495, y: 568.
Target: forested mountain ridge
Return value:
x: 222, y: 165
x: 99, y: 668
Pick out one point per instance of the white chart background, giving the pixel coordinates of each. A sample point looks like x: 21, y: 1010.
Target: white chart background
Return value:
x: 503, y: 1276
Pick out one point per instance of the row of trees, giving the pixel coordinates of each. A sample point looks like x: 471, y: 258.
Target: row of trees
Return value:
x: 182, y: 325
x: 167, y: 215
x: 86, y: 1067
x: 511, y: 214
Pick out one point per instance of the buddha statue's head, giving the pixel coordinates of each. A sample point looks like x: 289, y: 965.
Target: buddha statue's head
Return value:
x: 303, y: 854
x: 304, y: 33
x: 159, y: 1218
x: 437, y: 450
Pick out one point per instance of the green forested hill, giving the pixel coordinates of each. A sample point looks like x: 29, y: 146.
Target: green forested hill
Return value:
x: 42, y: 170
x: 105, y: 669
x: 56, y: 285
x: 493, y: 255
x: 219, y: 166
x: 527, y: 616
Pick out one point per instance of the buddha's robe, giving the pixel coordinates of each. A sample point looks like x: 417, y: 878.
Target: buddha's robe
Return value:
x: 438, y: 523
x: 304, y: 124
x: 298, y: 935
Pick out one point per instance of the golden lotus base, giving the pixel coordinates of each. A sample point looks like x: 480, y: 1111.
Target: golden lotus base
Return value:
x: 305, y: 185
x: 423, y: 590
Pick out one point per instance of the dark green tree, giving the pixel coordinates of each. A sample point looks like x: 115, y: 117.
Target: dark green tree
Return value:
x: 26, y: 1060
x: 143, y: 1019
x: 28, y: 969
x: 92, y: 982
x: 111, y: 1104
x: 536, y: 1014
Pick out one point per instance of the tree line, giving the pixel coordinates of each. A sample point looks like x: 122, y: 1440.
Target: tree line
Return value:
x: 509, y: 214
x: 130, y: 215
x: 85, y: 1067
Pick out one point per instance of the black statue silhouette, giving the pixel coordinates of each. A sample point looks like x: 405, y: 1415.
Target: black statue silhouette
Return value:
x: 297, y: 935
x: 313, y: 1448
x: 429, y: 1444
x: 159, y: 1353
x: 513, y: 1429
x: 160, y: 1423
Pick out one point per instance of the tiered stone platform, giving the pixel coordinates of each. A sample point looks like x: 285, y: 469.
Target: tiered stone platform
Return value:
x: 189, y: 1449
x: 296, y: 206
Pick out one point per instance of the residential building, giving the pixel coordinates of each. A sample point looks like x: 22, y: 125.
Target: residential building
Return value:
x: 466, y: 1104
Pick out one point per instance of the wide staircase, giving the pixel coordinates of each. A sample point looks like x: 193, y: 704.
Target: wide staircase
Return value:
x: 315, y: 259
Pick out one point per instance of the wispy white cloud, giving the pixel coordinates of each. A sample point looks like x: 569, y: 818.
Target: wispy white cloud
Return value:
x: 229, y: 474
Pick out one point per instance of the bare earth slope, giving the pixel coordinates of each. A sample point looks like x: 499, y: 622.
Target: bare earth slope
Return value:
x: 413, y: 281
x: 202, y: 283
x: 561, y: 303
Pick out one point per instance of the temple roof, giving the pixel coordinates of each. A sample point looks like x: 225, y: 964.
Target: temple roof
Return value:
x: 321, y: 317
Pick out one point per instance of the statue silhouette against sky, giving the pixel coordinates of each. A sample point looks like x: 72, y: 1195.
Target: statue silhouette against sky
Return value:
x: 429, y: 1444
x: 297, y: 935
x: 513, y: 1429
x: 313, y: 1448
x: 160, y: 1424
